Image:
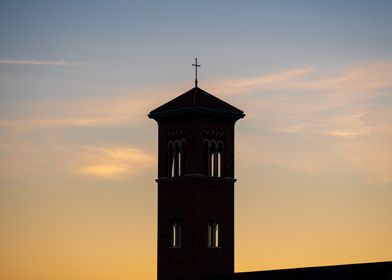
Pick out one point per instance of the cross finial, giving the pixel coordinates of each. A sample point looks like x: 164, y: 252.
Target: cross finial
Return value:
x: 196, y: 65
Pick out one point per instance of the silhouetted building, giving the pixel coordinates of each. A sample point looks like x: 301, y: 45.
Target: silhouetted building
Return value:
x: 196, y: 196
x: 364, y: 271
x: 195, y: 186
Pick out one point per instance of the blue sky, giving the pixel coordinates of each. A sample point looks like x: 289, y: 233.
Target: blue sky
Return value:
x: 78, y: 153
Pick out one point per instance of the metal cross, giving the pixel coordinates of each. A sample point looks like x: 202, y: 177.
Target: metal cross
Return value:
x: 196, y: 65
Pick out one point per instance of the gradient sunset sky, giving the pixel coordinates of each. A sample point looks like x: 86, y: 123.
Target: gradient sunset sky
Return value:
x: 78, y: 155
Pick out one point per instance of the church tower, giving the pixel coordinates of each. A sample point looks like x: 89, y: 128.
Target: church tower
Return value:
x: 195, y: 186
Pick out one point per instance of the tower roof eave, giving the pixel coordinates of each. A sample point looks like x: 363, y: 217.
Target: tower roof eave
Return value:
x: 201, y: 111
x: 196, y: 101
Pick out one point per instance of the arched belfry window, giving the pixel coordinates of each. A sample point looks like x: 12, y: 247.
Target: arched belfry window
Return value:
x: 175, y: 235
x: 213, y: 151
x: 213, y: 235
x: 176, y: 158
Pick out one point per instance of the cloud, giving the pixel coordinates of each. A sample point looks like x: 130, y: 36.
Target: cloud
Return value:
x: 346, y: 134
x: 244, y: 85
x: 334, y: 104
x: 332, y: 118
x: 114, y: 162
x: 41, y: 62
x: 118, y: 108
x: 98, y: 112
x: 26, y: 164
x: 353, y: 80
x: 106, y: 171
x: 39, y: 123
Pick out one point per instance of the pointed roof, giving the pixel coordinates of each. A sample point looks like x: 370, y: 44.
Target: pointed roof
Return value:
x: 198, y: 101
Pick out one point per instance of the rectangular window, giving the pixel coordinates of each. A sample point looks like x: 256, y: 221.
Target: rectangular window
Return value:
x: 213, y: 235
x: 175, y: 238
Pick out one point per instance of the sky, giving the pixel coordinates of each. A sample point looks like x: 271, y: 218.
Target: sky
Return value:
x: 78, y: 155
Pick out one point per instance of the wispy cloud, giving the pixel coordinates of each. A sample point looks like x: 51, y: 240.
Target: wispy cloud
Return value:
x: 346, y: 133
x: 115, y: 162
x: 356, y: 80
x: 51, y: 165
x: 42, y: 123
x: 109, y: 111
x: 41, y: 62
x: 334, y: 104
x: 336, y: 114
x: 245, y: 85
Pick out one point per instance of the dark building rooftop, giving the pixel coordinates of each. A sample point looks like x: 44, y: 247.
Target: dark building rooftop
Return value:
x: 196, y: 100
x: 365, y: 271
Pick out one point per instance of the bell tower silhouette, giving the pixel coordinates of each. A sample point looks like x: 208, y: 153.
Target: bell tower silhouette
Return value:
x: 195, y: 185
